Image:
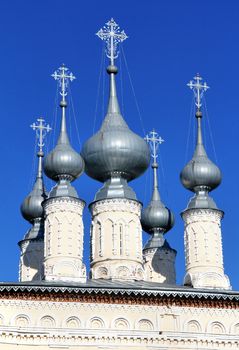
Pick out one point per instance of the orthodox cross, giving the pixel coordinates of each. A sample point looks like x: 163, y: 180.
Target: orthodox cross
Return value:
x: 198, y: 88
x: 63, y: 76
x: 154, y: 140
x: 41, y: 129
x: 112, y: 35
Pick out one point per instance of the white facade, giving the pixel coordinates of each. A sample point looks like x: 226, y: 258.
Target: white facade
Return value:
x: 203, y: 249
x: 31, y: 260
x: 116, y: 240
x: 64, y: 233
x: 105, y: 324
x: 159, y: 265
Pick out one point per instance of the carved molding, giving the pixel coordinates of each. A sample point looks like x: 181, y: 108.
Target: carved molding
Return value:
x: 116, y: 205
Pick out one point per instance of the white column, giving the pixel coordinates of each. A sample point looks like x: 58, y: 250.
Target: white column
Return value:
x: 31, y: 260
x: 64, y: 232
x: 203, y: 249
x: 116, y: 240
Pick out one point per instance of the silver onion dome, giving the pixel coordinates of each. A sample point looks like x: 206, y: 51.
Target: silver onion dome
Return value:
x: 31, y: 207
x: 156, y: 217
x: 200, y: 172
x: 115, y: 150
x: 63, y: 161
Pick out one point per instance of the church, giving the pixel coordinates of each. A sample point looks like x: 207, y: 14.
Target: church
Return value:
x: 129, y: 298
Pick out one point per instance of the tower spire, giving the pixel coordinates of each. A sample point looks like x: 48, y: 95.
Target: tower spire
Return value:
x: 112, y: 36
x: 63, y: 76
x: 156, y: 219
x: 154, y: 140
x: 198, y: 88
x: 31, y: 208
x: 63, y: 163
x: 200, y: 175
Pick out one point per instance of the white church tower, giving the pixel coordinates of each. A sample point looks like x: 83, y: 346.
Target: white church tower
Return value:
x: 32, y: 246
x: 114, y: 156
x: 64, y: 228
x: 156, y: 219
x: 202, y: 218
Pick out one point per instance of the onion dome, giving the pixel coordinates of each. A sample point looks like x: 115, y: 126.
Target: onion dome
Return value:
x: 31, y: 207
x: 115, y: 149
x: 63, y: 163
x: 200, y: 175
x: 156, y: 218
x: 115, y: 154
x: 200, y: 170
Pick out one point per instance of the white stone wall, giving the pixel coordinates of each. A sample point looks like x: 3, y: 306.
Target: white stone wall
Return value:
x: 159, y: 265
x: 116, y: 240
x: 64, y: 234
x: 203, y: 249
x: 76, y: 325
x: 31, y: 260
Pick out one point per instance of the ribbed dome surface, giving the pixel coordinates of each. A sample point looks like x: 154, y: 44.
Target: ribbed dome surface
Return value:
x: 63, y: 161
x: 156, y: 216
x: 200, y: 171
x: 115, y: 148
x: 31, y: 207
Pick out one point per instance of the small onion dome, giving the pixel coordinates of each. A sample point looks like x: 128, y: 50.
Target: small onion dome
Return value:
x: 63, y: 161
x: 115, y: 148
x: 156, y: 217
x: 31, y: 207
x: 200, y: 171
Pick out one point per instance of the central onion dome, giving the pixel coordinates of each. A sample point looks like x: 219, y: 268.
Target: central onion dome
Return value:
x: 115, y: 150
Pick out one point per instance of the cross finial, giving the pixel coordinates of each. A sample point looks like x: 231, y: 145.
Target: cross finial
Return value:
x: 112, y: 35
x: 198, y: 88
x: 41, y: 129
x: 154, y: 140
x: 63, y: 75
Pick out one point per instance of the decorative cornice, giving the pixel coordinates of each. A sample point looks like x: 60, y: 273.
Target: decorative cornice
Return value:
x: 63, y: 200
x: 170, y: 297
x: 116, y: 204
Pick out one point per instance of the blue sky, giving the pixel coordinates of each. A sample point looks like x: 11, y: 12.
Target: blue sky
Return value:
x: 169, y: 42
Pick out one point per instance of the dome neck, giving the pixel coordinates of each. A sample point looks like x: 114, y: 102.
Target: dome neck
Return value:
x: 113, y: 106
x: 200, y: 150
x: 155, y: 195
x: 201, y: 199
x: 115, y: 187
x: 40, y: 155
x: 63, y: 137
x: 156, y: 240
